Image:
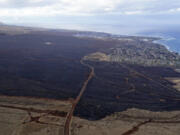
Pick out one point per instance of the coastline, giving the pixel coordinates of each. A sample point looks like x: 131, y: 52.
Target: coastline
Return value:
x: 170, y: 44
x: 161, y: 43
x: 168, y: 40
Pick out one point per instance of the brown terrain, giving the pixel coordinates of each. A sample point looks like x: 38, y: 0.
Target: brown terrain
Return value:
x: 98, y: 56
x: 30, y: 116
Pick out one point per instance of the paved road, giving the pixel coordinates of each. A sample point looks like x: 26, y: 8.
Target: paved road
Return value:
x: 70, y: 114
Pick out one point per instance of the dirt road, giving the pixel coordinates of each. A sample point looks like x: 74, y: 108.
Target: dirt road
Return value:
x: 70, y: 114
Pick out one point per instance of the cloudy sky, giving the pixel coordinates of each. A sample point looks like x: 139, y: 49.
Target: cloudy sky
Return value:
x: 85, y: 14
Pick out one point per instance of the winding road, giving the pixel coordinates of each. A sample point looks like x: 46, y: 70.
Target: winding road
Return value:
x: 76, y: 101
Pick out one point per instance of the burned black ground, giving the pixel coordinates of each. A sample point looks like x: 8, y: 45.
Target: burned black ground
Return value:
x: 30, y: 67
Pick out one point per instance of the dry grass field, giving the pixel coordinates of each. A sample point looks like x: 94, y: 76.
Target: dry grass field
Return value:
x: 30, y: 116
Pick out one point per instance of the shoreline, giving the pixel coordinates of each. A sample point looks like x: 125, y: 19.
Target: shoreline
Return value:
x: 165, y: 45
x: 164, y: 41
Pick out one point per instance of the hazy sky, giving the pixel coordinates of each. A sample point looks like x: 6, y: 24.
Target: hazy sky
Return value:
x: 106, y: 15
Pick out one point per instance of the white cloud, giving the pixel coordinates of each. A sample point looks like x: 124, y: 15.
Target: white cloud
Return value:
x: 3, y: 1
x: 86, y: 7
x: 35, y: 1
x: 133, y: 12
x: 174, y: 10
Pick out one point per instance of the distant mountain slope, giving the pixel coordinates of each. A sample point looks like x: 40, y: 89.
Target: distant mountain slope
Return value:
x: 14, y: 30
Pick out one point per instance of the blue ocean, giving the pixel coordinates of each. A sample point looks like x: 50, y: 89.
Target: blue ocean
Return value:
x: 171, y: 40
